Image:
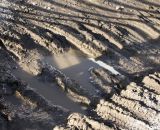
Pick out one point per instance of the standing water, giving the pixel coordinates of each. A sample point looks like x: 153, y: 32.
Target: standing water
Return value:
x: 74, y: 65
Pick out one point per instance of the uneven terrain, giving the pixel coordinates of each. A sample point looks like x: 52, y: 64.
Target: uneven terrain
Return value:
x: 79, y: 64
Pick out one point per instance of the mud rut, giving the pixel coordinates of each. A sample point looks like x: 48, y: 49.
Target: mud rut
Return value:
x: 47, y: 80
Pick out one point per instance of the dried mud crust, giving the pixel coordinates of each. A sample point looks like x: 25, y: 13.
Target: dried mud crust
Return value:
x: 122, y: 33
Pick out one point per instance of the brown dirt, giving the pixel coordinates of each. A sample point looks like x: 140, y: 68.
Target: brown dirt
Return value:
x: 47, y: 80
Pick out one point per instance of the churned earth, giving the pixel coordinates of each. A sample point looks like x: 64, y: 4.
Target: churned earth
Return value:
x: 79, y: 64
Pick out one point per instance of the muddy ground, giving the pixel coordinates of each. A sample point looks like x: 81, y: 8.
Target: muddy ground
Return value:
x: 79, y: 64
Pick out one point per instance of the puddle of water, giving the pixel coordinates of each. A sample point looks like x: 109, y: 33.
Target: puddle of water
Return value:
x: 50, y: 91
x: 13, y: 100
x: 74, y: 65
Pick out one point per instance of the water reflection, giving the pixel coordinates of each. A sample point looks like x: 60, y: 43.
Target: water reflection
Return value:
x: 74, y: 65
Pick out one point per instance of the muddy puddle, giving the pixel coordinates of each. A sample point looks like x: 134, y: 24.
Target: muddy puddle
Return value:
x: 49, y: 91
x: 74, y: 65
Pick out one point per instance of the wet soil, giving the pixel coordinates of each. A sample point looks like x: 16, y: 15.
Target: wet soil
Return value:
x: 79, y: 64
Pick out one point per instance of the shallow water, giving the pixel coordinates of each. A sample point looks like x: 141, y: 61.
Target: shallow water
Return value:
x: 74, y: 65
x: 50, y: 91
